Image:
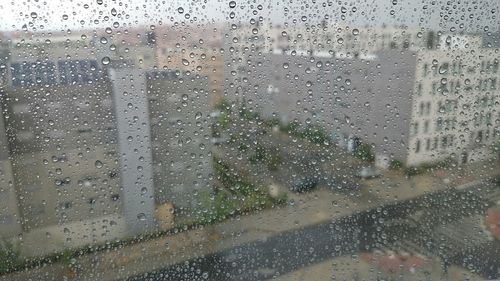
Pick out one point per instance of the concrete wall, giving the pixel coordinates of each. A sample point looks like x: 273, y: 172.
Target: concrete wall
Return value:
x: 180, y: 130
x: 369, y: 99
x: 134, y: 141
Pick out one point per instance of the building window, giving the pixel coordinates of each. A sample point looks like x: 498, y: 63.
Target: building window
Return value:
x: 417, y: 146
x: 479, y: 137
x: 66, y: 205
x: 428, y: 144
x: 439, y: 124
x: 419, y: 89
x: 444, y: 68
x: 444, y: 142
x: 426, y: 126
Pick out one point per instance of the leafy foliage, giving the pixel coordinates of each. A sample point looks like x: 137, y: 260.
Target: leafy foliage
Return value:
x: 10, y: 258
x: 364, y: 152
x: 395, y: 164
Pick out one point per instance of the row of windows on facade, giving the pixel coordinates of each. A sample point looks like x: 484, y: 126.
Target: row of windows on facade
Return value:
x: 91, y: 201
x: 451, y: 106
x: 477, y: 137
x: 106, y: 132
x: 443, y: 107
x: 50, y: 73
x: 41, y: 209
x: 451, y: 123
x: 446, y: 124
x: 457, y: 68
x: 85, y: 181
x: 432, y: 144
x: 452, y: 86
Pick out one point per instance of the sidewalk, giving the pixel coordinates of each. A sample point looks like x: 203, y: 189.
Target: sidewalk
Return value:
x: 347, y: 268
x: 304, y: 209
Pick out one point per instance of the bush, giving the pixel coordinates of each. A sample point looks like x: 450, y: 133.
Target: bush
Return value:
x: 274, y: 162
x: 364, y: 152
x: 412, y: 171
x: 395, y: 164
x: 214, y: 207
x: 223, y: 106
x: 315, y: 135
x: 290, y: 128
x: 238, y: 195
x: 272, y: 122
x: 10, y: 258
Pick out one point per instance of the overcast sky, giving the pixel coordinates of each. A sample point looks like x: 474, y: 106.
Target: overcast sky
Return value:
x: 75, y: 14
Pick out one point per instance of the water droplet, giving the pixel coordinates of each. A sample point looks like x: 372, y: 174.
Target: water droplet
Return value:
x: 285, y: 65
x: 232, y: 4
x: 141, y: 216
x: 180, y: 10
x: 64, y: 17
x: 99, y: 2
x: 304, y: 18
x: 197, y: 115
x: 105, y: 60
x: 98, y: 164
x: 33, y: 15
x: 185, y: 62
x: 104, y: 40
x: 113, y: 12
x: 355, y: 31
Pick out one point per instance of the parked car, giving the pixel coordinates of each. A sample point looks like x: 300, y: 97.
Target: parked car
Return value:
x: 368, y: 172
x: 304, y: 184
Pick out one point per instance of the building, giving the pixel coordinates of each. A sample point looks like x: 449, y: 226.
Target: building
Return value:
x: 93, y: 141
x: 455, y: 112
x: 180, y: 131
x: 422, y: 103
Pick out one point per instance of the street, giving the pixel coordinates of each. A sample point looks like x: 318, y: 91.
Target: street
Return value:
x: 417, y: 222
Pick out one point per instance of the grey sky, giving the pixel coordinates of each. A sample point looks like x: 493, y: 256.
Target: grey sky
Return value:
x: 73, y: 14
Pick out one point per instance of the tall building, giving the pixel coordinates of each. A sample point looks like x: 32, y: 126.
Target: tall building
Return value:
x: 91, y: 143
x: 455, y: 111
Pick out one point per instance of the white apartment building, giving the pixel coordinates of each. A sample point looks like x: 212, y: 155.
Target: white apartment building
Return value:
x: 455, y: 111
